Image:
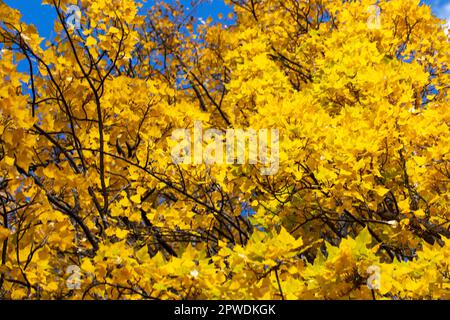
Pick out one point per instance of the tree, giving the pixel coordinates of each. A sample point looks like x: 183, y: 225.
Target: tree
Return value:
x: 92, y: 205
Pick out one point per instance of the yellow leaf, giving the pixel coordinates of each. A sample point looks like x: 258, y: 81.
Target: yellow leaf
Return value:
x: 114, y: 30
x: 4, y: 233
x: 52, y: 286
x: 9, y: 161
x: 420, y: 213
x: 142, y: 254
x: 136, y: 198
x: 121, y: 233
x: 88, y: 266
x: 404, y: 206
x: 364, y: 237
x: 90, y: 41
x: 18, y: 293
x: 381, y: 191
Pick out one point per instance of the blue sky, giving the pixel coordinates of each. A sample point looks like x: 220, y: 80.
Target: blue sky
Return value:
x: 441, y: 8
x: 43, y: 16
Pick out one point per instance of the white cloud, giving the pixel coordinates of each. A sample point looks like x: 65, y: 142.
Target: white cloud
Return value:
x: 443, y: 12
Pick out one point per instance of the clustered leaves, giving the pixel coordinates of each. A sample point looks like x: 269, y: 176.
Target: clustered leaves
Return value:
x: 87, y: 182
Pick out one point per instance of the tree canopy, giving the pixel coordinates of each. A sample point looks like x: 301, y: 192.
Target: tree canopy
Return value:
x: 93, y: 207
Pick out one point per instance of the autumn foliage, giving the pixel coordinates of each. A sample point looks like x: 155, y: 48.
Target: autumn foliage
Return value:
x: 93, y: 207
